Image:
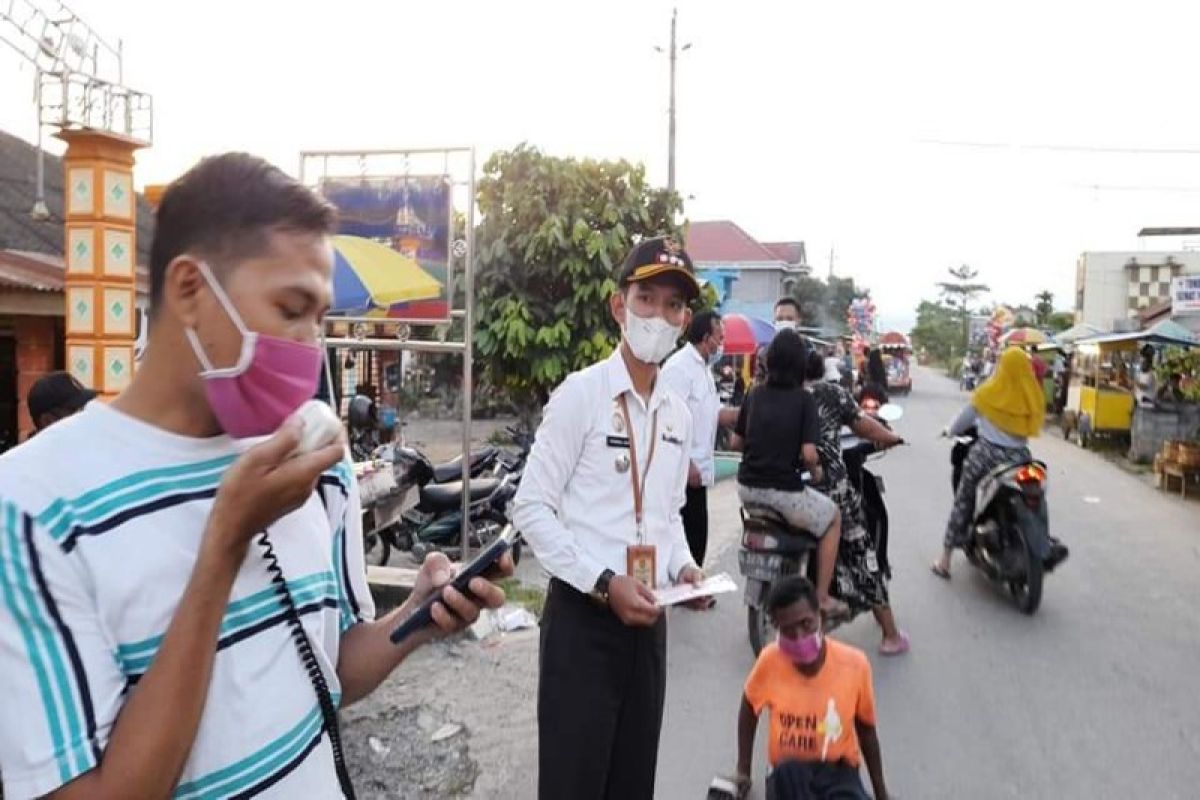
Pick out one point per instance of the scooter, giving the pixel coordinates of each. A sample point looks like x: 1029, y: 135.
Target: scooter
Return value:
x: 1010, y: 538
x: 771, y: 548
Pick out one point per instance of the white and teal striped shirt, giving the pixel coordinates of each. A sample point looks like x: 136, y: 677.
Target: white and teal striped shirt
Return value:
x: 101, y: 518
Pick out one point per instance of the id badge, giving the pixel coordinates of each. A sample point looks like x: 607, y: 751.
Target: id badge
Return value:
x: 641, y: 564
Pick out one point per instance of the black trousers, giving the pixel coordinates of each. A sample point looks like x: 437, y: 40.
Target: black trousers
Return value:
x: 695, y: 522
x: 799, y: 780
x: 600, y: 701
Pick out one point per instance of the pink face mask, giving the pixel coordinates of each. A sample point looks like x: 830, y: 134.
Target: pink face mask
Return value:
x: 802, y: 651
x: 272, y: 378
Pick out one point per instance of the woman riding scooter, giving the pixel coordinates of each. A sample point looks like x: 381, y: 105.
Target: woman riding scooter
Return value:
x: 1007, y: 410
x: 858, y: 562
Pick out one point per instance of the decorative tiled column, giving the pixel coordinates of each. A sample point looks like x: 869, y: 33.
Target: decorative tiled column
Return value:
x: 101, y: 258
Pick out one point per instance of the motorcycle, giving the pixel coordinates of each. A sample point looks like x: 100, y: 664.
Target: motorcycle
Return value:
x: 1010, y: 538
x: 434, y: 523
x: 771, y: 548
x: 968, y: 380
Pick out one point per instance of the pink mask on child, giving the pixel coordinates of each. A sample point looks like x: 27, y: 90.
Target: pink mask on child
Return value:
x: 802, y: 651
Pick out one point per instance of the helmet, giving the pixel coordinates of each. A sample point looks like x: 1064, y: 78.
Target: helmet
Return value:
x: 362, y: 413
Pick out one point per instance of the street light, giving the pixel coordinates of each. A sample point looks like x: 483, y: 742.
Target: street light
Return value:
x: 671, y: 112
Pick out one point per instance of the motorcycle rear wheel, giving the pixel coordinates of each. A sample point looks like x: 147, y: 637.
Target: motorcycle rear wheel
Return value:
x: 1028, y: 592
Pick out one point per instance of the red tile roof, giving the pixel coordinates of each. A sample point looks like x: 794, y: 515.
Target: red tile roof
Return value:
x: 724, y: 241
x: 787, y: 252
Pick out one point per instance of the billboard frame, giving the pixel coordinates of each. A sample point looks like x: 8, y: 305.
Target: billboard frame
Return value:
x: 465, y: 178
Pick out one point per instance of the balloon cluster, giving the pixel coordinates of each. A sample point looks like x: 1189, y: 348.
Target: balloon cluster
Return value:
x: 860, y: 317
x: 1001, y: 320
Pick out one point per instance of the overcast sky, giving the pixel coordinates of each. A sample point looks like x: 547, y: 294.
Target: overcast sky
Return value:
x: 797, y: 120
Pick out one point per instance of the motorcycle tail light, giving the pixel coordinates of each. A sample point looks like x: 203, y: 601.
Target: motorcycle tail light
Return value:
x: 760, y: 541
x: 1031, y: 473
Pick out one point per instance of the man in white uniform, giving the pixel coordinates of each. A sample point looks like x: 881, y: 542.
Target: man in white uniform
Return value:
x: 599, y: 504
x: 688, y: 373
x: 182, y: 598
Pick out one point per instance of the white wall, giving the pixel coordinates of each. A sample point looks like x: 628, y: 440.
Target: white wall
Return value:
x: 1104, y: 281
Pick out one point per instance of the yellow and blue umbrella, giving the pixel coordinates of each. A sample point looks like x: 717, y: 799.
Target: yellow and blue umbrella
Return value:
x: 368, y: 275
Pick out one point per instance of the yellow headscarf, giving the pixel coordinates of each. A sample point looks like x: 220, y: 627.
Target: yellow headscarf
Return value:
x: 1011, y: 399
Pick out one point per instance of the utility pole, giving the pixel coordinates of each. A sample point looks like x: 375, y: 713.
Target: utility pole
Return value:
x: 671, y: 111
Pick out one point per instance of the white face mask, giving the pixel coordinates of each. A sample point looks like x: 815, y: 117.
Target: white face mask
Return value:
x: 650, y: 338
x: 784, y: 325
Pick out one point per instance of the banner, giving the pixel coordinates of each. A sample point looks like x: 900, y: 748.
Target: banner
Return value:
x: 410, y: 214
x: 1185, y: 295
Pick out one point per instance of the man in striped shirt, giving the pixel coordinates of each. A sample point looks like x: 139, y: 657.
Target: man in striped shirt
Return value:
x: 156, y: 573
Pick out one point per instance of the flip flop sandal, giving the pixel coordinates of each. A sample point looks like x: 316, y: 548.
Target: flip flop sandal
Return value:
x: 940, y: 571
x: 897, y: 649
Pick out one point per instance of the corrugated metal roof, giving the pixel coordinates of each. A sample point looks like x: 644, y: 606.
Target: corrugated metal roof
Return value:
x: 44, y: 273
x: 18, y: 181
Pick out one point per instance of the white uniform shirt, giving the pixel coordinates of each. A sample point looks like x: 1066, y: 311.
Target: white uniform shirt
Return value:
x: 687, y: 374
x: 101, y: 519
x: 575, y: 508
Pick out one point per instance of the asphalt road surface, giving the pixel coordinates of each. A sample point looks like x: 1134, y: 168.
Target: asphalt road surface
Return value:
x: 1096, y: 696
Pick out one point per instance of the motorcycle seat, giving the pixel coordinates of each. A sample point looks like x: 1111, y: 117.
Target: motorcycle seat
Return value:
x: 452, y: 469
x: 766, y: 515
x: 448, y: 496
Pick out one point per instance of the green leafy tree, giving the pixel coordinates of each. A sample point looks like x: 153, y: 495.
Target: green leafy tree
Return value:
x: 1044, y: 307
x: 938, y: 331
x: 553, y: 234
x: 1060, y: 320
x: 823, y: 304
x: 960, y: 293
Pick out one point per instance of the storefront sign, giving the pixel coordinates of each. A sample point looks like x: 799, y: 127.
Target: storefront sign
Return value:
x: 1185, y: 295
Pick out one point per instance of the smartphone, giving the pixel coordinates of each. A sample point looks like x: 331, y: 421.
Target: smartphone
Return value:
x: 480, y: 564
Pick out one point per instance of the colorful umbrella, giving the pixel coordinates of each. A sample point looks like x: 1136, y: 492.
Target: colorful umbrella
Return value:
x: 744, y: 335
x: 1019, y: 336
x: 369, y: 275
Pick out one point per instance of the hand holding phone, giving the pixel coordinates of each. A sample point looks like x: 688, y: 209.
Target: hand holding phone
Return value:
x: 489, y: 557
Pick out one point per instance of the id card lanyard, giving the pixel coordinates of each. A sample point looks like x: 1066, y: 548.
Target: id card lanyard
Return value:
x: 640, y: 557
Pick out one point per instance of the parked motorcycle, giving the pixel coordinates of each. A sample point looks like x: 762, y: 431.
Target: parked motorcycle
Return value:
x: 434, y: 523
x: 1010, y: 538
x: 771, y: 548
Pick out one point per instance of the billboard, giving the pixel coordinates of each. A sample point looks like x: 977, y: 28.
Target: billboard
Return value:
x: 1185, y: 295
x: 411, y: 215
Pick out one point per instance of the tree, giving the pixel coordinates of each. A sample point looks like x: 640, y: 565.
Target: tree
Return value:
x: 937, y: 330
x: 553, y: 233
x: 811, y: 294
x: 1060, y: 320
x: 823, y: 304
x: 959, y: 293
x: 1044, y: 307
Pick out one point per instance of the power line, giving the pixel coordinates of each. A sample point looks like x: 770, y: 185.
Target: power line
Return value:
x: 1063, y: 148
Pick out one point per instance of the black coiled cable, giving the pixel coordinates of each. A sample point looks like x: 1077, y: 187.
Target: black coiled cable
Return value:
x: 311, y: 665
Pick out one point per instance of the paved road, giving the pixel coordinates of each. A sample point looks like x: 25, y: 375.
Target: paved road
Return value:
x: 1097, y: 696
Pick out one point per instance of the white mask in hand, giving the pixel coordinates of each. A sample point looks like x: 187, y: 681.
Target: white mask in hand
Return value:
x: 650, y: 338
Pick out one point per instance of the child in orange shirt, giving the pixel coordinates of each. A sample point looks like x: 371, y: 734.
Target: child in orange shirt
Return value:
x: 822, y: 707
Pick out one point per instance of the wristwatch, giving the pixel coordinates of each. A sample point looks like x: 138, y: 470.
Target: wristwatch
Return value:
x: 600, y: 590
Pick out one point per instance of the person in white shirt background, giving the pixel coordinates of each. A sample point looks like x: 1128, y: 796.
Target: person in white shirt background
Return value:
x: 689, y: 374
x: 599, y: 504
x: 147, y: 647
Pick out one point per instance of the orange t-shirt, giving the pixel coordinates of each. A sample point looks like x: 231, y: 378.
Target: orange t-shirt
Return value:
x: 812, y: 718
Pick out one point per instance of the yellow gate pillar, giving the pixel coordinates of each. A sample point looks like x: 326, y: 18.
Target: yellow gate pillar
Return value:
x: 101, y: 257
